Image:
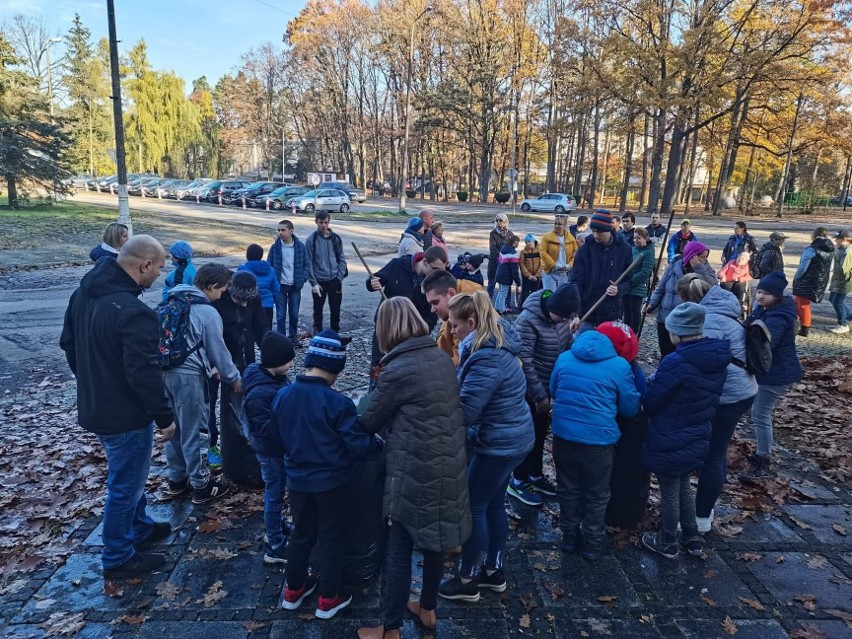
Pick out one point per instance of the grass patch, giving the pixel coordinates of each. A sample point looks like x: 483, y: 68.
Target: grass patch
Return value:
x: 60, y: 222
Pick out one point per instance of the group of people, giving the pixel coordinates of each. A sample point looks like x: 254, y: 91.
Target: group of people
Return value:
x: 461, y: 420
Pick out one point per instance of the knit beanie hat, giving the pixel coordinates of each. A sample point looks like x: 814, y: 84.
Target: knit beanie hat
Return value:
x: 773, y: 283
x: 622, y: 337
x: 181, y: 250
x: 564, y: 301
x: 529, y: 237
x: 692, y: 249
x: 326, y: 352
x: 686, y: 319
x: 243, y: 285
x: 414, y: 225
x: 601, y: 221
x: 276, y: 350
x: 476, y: 260
x: 254, y: 252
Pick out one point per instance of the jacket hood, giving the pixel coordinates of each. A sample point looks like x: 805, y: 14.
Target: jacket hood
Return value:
x: 709, y: 355
x: 786, y: 307
x: 187, y: 288
x: 260, y: 268
x: 592, y: 346
x: 823, y: 244
x: 255, y: 376
x: 533, y: 305
x: 106, y: 278
x: 718, y: 300
x: 411, y: 344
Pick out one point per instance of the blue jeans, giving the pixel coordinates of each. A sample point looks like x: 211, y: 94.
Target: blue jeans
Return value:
x: 487, y: 479
x: 500, y: 297
x: 761, y: 415
x: 715, y: 470
x: 838, y: 301
x: 126, y: 523
x: 289, y: 299
x: 553, y: 280
x: 274, y: 481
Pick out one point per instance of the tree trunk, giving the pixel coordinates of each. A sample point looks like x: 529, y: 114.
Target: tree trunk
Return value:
x: 782, y: 183
x: 552, y: 138
x: 12, y: 188
x: 581, y: 152
x: 657, y: 161
x: 643, y: 190
x: 593, y: 182
x: 847, y: 175
x: 675, y: 160
x: 628, y: 162
x: 604, y: 171
x: 690, y: 175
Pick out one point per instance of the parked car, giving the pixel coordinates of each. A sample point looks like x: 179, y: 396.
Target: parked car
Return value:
x: 278, y: 197
x: 223, y: 188
x: 157, y: 188
x: 355, y: 194
x: 78, y: 182
x: 556, y: 202
x: 320, y: 200
x: 196, y: 187
x: 252, y: 191
x: 838, y: 200
x: 171, y: 190
x: 102, y: 183
x: 136, y: 189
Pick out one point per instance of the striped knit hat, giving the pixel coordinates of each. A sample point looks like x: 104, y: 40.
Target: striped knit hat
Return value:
x: 326, y: 352
x: 601, y: 221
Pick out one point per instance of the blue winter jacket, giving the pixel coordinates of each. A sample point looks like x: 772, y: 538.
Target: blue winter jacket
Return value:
x: 681, y: 400
x: 493, y: 387
x: 179, y: 275
x: 260, y: 389
x: 665, y: 297
x: 781, y: 322
x: 267, y: 281
x: 590, y: 386
x: 301, y: 263
x: 319, y: 430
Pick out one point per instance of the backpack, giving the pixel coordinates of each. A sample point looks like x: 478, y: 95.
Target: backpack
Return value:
x: 754, y: 263
x: 337, y: 244
x: 174, y: 348
x: 758, y: 346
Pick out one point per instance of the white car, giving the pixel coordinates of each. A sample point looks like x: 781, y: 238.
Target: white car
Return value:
x: 319, y: 200
x: 556, y: 202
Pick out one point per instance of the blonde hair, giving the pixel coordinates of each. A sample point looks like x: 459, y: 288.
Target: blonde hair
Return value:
x: 478, y: 306
x: 691, y: 288
x: 397, y: 321
x: 113, y: 234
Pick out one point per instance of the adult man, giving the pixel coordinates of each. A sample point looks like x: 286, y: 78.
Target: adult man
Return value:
x: 288, y: 257
x: 597, y: 265
x: 327, y: 270
x: 738, y: 243
x: 439, y: 287
x: 110, y: 339
x: 656, y: 231
x: 580, y: 227
x: 428, y: 218
x: 557, y: 254
x: 679, y: 240
x: 770, y: 257
x: 616, y: 225
x: 628, y: 221
x: 499, y: 235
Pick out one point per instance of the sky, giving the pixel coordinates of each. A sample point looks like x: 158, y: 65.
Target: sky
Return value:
x: 190, y: 37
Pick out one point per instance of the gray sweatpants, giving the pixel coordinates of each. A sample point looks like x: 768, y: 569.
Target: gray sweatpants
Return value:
x: 186, y: 452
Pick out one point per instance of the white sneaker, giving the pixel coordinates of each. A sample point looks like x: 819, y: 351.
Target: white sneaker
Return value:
x: 839, y: 329
x: 704, y: 523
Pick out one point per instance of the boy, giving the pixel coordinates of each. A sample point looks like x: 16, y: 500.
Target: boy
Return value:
x: 681, y: 400
x: 261, y: 384
x: 590, y: 386
x: 530, y: 267
x: 319, y: 429
x: 186, y: 384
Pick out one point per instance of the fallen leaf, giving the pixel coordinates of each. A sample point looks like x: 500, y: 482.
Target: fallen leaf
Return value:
x: 599, y: 627
x: 845, y: 616
x: 525, y: 621
x: 808, y: 632
x: 841, y: 580
x: 839, y: 529
x: 63, y: 623
x: 167, y: 591
x: 729, y: 626
x: 113, y: 589
x: 554, y: 588
x: 710, y: 574
x: 708, y: 601
x: 781, y: 559
x: 609, y: 600
x: 130, y: 620
x: 214, y: 595
x: 528, y: 602
x: 808, y: 601
x: 749, y: 556
x: 817, y: 562
x: 752, y: 603
x: 251, y: 626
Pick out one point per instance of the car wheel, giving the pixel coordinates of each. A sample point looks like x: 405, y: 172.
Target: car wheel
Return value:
x: 276, y: 205
x: 309, y: 208
x: 525, y: 207
x: 344, y: 208
x: 560, y: 209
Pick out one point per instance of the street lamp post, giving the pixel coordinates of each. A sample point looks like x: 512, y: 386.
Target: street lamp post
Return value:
x: 407, y: 106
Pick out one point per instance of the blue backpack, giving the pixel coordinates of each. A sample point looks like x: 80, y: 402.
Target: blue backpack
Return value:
x: 174, y: 329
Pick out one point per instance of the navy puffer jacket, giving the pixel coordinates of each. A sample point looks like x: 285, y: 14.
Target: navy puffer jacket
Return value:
x: 493, y: 386
x: 542, y: 342
x: 260, y: 389
x: 681, y: 400
x: 781, y: 322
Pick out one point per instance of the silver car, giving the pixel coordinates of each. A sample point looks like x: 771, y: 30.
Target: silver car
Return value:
x: 320, y: 200
x: 551, y: 202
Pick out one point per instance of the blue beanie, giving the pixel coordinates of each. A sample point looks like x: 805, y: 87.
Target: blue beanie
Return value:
x: 326, y: 352
x: 686, y: 319
x: 773, y: 283
x: 181, y: 250
x: 414, y: 225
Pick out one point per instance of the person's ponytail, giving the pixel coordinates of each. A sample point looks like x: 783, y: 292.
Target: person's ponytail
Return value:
x: 487, y: 322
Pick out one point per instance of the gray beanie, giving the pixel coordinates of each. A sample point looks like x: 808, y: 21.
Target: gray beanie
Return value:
x: 686, y: 319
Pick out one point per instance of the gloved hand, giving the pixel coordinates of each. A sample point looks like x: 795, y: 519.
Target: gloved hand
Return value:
x: 316, y: 290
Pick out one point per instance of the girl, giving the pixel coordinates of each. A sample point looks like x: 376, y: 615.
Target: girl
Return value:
x: 416, y: 409
x: 438, y: 236
x: 115, y: 235
x: 811, y: 277
x: 508, y: 271
x: 778, y: 312
x: 639, y: 279
x: 736, y: 275
x: 499, y: 436
x: 184, y: 272
x: 530, y: 267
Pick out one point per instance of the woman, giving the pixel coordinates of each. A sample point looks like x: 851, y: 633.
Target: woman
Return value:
x: 811, y: 277
x: 416, y: 409
x: 499, y: 435
x: 722, y: 321
x: 115, y: 235
x: 639, y: 279
x: 411, y: 241
x: 665, y: 297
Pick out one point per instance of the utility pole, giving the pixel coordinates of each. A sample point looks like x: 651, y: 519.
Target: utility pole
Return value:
x: 50, y: 43
x: 118, y: 118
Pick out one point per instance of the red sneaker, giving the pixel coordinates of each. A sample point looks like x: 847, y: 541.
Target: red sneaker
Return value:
x: 293, y: 598
x: 327, y: 608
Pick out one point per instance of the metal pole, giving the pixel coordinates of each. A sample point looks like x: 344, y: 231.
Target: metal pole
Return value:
x: 118, y: 118
x: 283, y: 153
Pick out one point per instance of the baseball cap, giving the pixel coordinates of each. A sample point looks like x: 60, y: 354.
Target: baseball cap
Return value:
x: 777, y: 235
x: 845, y: 234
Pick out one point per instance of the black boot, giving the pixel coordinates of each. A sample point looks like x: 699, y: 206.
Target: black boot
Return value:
x: 803, y: 332
x: 760, y: 468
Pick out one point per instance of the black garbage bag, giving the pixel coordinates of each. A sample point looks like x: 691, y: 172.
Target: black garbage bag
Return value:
x: 630, y: 482
x: 239, y: 462
x: 366, y: 530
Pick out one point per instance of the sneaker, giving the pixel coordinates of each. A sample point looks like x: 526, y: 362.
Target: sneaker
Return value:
x: 654, y: 543
x: 327, y: 608
x: 177, y: 488
x: 496, y: 581
x: 760, y: 468
x: 159, y: 531
x: 542, y: 486
x: 569, y: 543
x: 523, y: 494
x: 214, y: 458
x: 275, y: 555
x: 141, y: 563
x: 804, y: 331
x: 214, y: 489
x: 694, y: 547
x: 453, y: 588
x: 592, y: 552
x: 840, y: 330
x: 704, y: 523
x: 292, y: 599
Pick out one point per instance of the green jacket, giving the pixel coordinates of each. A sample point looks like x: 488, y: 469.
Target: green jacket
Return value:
x: 841, y: 277
x: 641, y: 274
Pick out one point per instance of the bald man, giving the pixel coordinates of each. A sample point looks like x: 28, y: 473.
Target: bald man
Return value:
x: 110, y: 338
x: 428, y: 218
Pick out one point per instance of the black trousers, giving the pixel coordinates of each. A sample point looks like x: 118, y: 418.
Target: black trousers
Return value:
x: 527, y: 287
x: 533, y: 464
x: 333, y: 291
x: 665, y: 341
x: 255, y: 337
x: 632, y: 311
x: 582, y: 488
x: 319, y: 519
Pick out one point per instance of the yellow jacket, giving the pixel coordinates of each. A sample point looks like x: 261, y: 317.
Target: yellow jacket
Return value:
x: 549, y: 250
x: 448, y: 342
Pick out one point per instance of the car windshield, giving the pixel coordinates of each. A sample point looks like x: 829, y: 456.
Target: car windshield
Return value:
x: 214, y: 185
x: 281, y: 190
x: 311, y: 193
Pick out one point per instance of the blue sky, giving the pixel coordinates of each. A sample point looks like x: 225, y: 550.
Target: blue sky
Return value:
x: 190, y: 37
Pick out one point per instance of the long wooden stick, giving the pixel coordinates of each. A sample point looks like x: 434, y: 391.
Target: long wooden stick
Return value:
x: 620, y: 279
x: 653, y: 277
x: 369, y: 272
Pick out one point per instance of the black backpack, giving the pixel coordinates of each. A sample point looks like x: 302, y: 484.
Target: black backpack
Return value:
x: 758, y: 346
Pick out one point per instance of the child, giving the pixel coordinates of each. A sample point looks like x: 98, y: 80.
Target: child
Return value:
x: 590, y: 386
x: 268, y: 286
x: 681, y: 400
x: 261, y: 384
x: 508, y: 271
x: 530, y: 267
x: 438, y: 235
x: 736, y: 275
x: 840, y: 284
x: 184, y: 271
x: 467, y: 268
x: 186, y: 386
x: 778, y: 312
x: 319, y: 429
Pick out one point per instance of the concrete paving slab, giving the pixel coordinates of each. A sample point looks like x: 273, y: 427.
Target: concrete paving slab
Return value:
x: 800, y: 574
x: 821, y: 518
x: 175, y: 512
x: 746, y: 629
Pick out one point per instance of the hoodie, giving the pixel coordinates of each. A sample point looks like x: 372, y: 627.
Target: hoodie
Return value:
x: 681, y: 400
x: 111, y: 339
x: 542, y: 342
x: 181, y: 274
x: 260, y: 389
x: 267, y: 282
x: 102, y: 250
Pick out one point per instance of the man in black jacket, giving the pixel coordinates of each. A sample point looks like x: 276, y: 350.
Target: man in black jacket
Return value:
x: 110, y: 338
